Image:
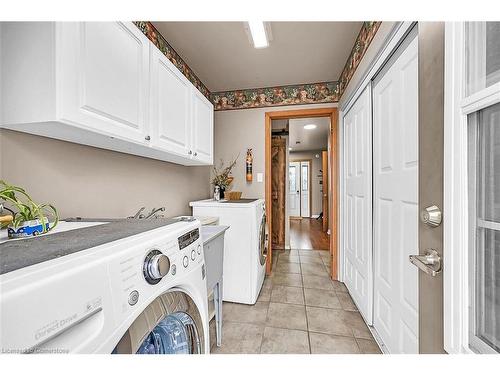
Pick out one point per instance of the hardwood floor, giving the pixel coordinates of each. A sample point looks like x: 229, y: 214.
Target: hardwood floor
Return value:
x: 308, y: 234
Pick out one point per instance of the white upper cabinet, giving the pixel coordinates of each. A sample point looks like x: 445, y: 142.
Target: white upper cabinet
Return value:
x: 102, y: 84
x: 104, y: 78
x: 203, y: 128
x: 170, y: 106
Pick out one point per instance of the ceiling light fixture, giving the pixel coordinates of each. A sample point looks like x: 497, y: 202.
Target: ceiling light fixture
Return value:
x: 310, y: 126
x: 259, y: 34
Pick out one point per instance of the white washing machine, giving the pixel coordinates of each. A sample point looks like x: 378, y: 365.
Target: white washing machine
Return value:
x: 143, y: 291
x: 245, y: 245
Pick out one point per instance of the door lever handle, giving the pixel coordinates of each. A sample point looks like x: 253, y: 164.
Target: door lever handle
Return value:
x: 430, y: 262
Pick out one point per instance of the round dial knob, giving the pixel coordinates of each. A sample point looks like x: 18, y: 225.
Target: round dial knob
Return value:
x: 199, y: 249
x: 193, y: 255
x: 156, y: 266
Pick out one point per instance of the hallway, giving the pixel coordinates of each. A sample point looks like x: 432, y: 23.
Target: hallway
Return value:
x: 299, y: 310
x: 307, y: 233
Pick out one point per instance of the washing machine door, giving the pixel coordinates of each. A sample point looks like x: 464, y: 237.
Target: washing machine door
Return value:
x: 176, y: 334
x: 171, y: 324
x: 263, y: 240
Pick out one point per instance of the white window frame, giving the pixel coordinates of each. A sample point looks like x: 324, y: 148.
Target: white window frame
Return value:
x: 456, y: 221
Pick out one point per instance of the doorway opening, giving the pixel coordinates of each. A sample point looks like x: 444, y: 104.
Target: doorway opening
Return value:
x: 301, y: 164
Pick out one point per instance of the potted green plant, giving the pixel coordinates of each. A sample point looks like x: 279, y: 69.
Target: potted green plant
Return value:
x: 222, y: 176
x: 29, y: 217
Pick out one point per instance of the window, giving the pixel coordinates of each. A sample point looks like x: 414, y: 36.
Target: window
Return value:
x: 305, y: 177
x: 292, y: 177
x: 482, y: 55
x: 484, y: 239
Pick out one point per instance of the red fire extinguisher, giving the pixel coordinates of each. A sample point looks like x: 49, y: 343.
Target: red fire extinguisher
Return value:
x: 249, y: 162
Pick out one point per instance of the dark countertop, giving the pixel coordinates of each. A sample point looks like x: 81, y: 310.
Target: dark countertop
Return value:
x: 17, y: 254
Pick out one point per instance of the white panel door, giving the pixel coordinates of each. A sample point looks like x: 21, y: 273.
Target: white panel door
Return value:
x: 357, y: 218
x: 203, y: 127
x: 305, y: 194
x: 104, y: 78
x: 395, y: 174
x: 170, y: 106
x: 294, y: 188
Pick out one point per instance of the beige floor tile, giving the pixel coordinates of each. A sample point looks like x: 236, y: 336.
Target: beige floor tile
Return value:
x: 330, y: 344
x: 294, y: 253
x: 322, y: 298
x: 317, y: 282
x: 368, y: 346
x: 329, y: 321
x: 339, y: 287
x: 268, y: 282
x: 346, y: 301
x: 359, y: 328
x: 313, y: 269
x: 311, y: 253
x: 289, y: 279
x: 236, y: 312
x: 240, y: 338
x: 265, y: 294
x: 310, y: 260
x: 287, y: 294
x: 287, y: 268
x: 284, y: 341
x: 282, y: 315
x: 288, y: 259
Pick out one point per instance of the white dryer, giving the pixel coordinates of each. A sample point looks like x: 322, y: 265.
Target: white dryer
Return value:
x: 119, y: 287
x: 245, y: 245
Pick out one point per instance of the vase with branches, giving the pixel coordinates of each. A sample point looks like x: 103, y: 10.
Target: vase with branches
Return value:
x: 28, y: 217
x: 222, y: 175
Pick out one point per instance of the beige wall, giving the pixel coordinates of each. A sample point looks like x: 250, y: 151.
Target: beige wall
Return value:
x: 90, y: 182
x: 316, y: 201
x: 237, y: 130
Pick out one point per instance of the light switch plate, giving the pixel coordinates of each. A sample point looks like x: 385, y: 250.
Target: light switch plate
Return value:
x: 260, y: 177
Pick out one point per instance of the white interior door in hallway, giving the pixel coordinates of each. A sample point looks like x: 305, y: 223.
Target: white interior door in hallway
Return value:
x: 357, y: 218
x: 395, y: 200
x: 294, y: 188
x: 299, y: 188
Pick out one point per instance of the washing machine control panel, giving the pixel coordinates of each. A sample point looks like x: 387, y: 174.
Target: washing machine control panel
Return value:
x: 142, y: 268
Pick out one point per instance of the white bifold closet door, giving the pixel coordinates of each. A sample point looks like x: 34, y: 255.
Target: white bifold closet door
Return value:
x: 395, y: 200
x: 358, y: 271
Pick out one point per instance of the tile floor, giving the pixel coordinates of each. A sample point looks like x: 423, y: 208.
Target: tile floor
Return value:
x: 299, y: 310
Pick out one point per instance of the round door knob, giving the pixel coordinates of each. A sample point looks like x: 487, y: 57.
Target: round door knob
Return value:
x: 156, y: 266
x: 431, y: 216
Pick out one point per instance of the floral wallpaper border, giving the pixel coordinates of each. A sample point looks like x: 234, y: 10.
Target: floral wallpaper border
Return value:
x: 159, y: 41
x: 311, y: 93
x: 308, y: 93
x: 365, y: 37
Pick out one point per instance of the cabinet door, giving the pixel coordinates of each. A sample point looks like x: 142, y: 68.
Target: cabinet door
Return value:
x: 203, y: 128
x: 170, y: 107
x: 103, y: 76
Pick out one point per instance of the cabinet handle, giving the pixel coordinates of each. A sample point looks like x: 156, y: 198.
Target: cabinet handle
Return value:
x: 147, y: 138
x: 190, y: 152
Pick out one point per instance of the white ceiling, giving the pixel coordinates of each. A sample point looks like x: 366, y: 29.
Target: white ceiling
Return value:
x: 221, y: 55
x: 313, y: 139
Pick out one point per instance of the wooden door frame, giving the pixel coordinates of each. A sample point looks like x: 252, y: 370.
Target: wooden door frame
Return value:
x: 333, y: 187
x: 310, y: 187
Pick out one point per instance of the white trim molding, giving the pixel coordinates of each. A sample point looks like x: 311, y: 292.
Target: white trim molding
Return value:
x: 457, y: 266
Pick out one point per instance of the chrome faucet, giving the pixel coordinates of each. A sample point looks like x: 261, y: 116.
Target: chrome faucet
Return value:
x: 153, y: 212
x: 137, y: 214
